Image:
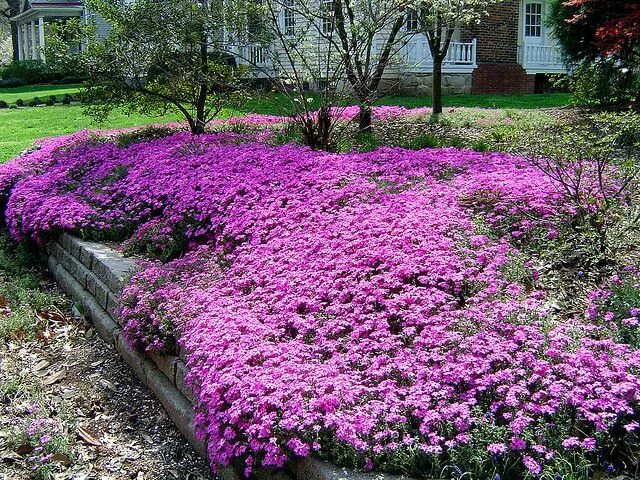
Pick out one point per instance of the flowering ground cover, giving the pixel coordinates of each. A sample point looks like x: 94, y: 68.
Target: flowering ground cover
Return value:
x: 382, y: 309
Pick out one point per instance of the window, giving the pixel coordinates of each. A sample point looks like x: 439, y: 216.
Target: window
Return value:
x: 255, y: 21
x: 289, y: 18
x: 327, y: 16
x: 533, y: 20
x: 412, y: 21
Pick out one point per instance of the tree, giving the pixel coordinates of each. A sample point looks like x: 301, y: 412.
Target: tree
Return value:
x: 614, y: 25
x: 360, y: 26
x: 602, y: 34
x: 279, y: 40
x: 438, y: 20
x: 158, y: 55
x: 9, y: 9
x: 330, y: 47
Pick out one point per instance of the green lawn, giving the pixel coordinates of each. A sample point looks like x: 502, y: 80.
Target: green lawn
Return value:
x: 277, y: 104
x: 20, y: 127
x: 516, y: 101
x: 10, y: 95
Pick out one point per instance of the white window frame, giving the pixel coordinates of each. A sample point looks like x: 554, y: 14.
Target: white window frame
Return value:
x: 533, y: 20
x: 288, y: 18
x: 412, y: 23
x: 327, y: 23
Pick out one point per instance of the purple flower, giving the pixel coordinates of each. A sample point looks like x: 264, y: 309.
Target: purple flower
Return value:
x: 534, y: 467
x: 497, y: 449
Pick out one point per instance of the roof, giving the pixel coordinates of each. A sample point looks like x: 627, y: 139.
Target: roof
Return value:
x: 28, y: 4
x: 29, y: 7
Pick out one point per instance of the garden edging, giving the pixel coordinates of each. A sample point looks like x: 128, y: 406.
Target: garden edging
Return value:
x: 94, y: 275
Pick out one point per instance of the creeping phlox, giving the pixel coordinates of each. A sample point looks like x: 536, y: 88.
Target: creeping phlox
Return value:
x: 354, y: 305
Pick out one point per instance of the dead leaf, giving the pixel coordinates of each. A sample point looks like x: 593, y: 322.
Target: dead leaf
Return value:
x: 88, y: 437
x: 62, y: 459
x: 56, y: 377
x: 108, y: 384
x: 68, y: 394
x: 11, y: 457
x: 24, y: 449
x: 140, y: 476
x: 147, y: 438
x: 41, y: 365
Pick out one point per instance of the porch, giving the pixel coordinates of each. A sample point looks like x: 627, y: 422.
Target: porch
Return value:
x: 541, y: 59
x: 416, y: 57
x: 31, y: 24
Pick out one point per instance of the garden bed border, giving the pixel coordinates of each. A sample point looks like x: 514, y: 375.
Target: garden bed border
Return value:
x: 94, y: 275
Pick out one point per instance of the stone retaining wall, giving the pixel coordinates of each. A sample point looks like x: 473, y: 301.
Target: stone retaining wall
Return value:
x: 94, y: 275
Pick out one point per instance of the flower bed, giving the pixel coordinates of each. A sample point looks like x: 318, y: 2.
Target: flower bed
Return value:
x: 380, y: 309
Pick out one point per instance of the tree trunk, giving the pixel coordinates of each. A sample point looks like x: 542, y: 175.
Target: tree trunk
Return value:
x: 437, y: 85
x: 324, y: 128
x: 14, y: 42
x: 364, y: 118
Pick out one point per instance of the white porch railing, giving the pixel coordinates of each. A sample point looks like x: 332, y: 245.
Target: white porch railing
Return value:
x: 461, y: 56
x: 542, y: 59
x: 253, y: 54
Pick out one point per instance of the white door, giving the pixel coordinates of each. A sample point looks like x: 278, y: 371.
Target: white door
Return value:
x: 533, y: 23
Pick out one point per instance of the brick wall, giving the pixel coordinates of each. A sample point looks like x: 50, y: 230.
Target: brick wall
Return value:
x: 497, y: 33
x: 497, y: 56
x: 501, y: 78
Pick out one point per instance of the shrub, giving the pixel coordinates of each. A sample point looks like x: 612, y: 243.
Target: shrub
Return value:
x: 67, y: 99
x: 423, y: 141
x: 143, y: 134
x: 20, y: 102
x: 35, y: 102
x: 30, y: 72
x: 3, y: 104
x: 604, y: 84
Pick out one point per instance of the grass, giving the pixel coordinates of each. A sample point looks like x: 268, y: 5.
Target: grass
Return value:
x: 514, y: 101
x: 22, y: 295
x: 10, y: 95
x: 277, y: 104
x: 19, y: 128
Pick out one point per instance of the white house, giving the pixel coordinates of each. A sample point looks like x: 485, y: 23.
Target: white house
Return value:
x: 510, y: 51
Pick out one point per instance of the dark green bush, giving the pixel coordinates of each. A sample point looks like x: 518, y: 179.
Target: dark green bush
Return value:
x: 3, y: 104
x: 30, y: 72
x: 20, y: 103
x: 35, y: 102
x: 426, y: 140
x: 144, y: 134
x: 67, y: 99
x: 604, y: 84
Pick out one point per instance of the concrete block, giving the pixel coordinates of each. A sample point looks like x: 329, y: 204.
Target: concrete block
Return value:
x: 112, y: 307
x: 86, y: 258
x: 177, y: 406
x: 312, y: 468
x: 166, y: 364
x: 109, y: 265
x: 133, y: 358
x: 181, y: 381
x: 69, y: 244
x: 91, y: 283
